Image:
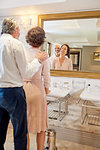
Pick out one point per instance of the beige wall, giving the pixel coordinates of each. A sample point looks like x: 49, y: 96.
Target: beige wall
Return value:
x: 87, y: 63
x: 25, y: 22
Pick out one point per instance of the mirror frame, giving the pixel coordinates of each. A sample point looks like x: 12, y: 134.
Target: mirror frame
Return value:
x: 72, y: 15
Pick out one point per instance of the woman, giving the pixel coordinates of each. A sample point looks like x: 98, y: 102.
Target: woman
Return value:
x: 36, y: 89
x: 63, y: 62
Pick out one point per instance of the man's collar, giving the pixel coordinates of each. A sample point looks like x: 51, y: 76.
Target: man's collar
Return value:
x: 6, y: 34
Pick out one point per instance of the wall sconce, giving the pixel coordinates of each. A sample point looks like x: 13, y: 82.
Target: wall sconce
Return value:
x: 26, y: 21
x: 30, y: 20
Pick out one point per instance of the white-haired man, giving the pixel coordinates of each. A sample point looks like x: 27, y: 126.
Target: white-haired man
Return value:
x: 57, y: 54
x: 13, y: 68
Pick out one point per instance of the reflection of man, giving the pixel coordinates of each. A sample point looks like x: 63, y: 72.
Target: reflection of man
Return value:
x: 57, y: 50
x: 57, y: 54
x: 13, y: 68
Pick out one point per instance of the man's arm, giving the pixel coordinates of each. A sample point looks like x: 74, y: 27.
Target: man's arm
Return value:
x: 27, y: 70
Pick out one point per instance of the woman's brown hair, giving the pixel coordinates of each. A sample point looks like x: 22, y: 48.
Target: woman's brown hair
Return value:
x: 68, y: 50
x: 35, y: 37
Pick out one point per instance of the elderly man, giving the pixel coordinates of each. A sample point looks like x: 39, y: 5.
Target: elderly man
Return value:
x: 13, y: 68
x: 57, y: 54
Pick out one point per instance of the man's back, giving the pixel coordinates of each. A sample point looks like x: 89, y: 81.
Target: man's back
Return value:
x: 9, y: 72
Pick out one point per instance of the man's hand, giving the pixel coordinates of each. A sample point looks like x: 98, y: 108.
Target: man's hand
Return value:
x: 47, y: 91
x: 41, y: 56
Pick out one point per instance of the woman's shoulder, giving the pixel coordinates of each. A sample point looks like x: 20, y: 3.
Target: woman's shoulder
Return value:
x: 68, y: 59
x: 31, y: 53
x: 33, y: 50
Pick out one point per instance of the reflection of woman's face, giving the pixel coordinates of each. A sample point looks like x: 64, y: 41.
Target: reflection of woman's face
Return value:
x: 63, y: 50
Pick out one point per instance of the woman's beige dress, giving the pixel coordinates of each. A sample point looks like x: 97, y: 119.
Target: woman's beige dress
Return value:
x: 35, y: 95
x: 67, y: 64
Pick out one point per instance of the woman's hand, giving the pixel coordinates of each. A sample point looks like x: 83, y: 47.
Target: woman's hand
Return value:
x: 47, y: 91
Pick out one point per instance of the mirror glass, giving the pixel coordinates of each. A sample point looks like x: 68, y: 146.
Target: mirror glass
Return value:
x: 83, y: 38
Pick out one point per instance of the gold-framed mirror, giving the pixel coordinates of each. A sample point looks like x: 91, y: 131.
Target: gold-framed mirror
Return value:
x: 67, y: 16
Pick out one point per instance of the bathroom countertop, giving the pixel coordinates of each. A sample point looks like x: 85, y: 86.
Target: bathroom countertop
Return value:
x: 91, y: 94
x: 59, y: 92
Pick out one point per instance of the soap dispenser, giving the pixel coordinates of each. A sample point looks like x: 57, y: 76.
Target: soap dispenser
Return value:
x: 88, y: 88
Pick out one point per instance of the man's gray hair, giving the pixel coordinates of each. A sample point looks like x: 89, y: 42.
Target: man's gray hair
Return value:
x: 8, y: 26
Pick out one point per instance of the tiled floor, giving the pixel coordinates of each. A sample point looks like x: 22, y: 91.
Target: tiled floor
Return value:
x: 73, y: 119
x: 9, y: 141
x: 61, y: 144
x: 71, y: 134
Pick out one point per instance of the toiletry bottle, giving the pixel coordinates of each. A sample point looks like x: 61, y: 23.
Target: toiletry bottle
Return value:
x: 88, y: 88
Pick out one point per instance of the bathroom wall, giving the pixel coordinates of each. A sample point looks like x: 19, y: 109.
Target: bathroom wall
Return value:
x: 25, y: 22
x: 88, y: 64
x: 77, y: 84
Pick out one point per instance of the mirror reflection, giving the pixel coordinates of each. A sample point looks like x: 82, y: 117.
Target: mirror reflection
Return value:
x: 83, y: 38
x: 61, y: 60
